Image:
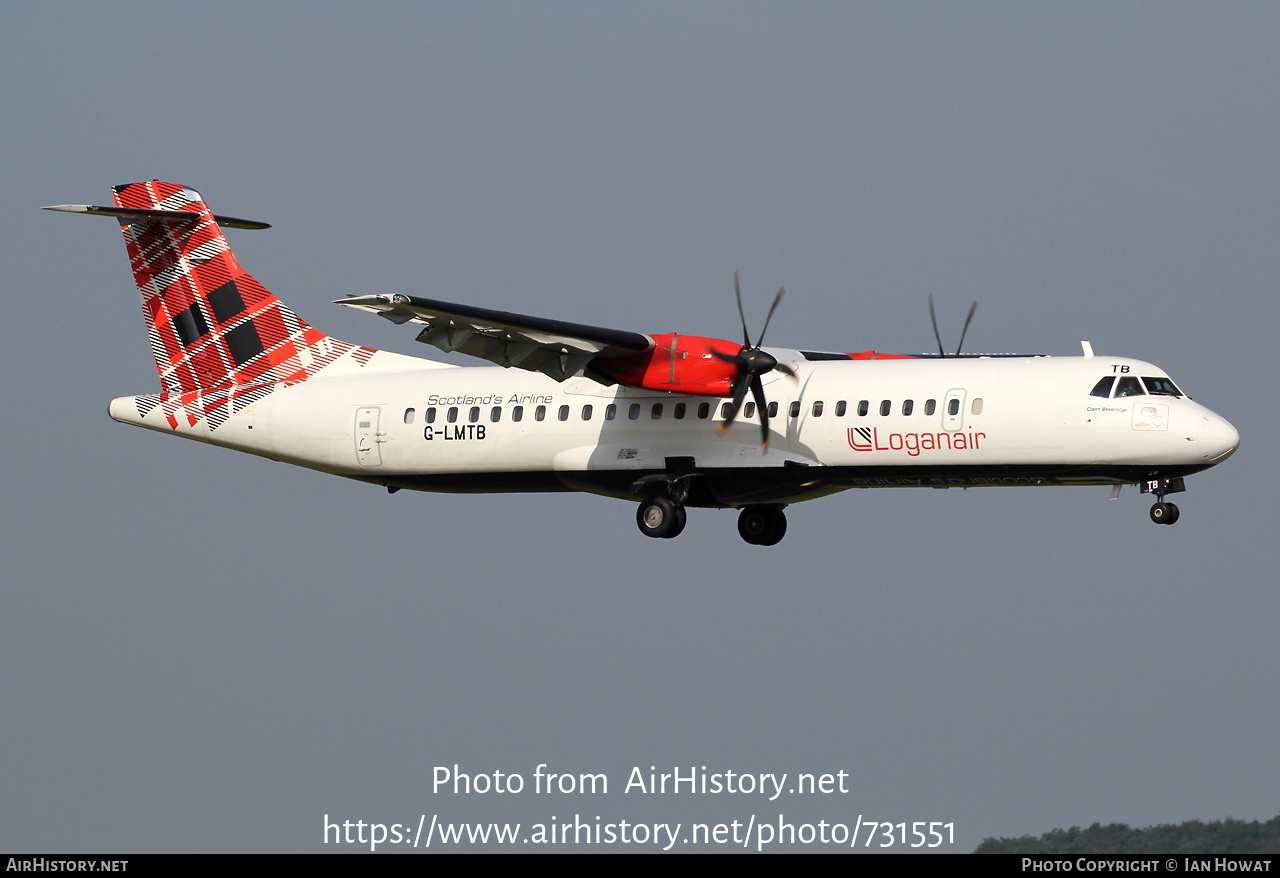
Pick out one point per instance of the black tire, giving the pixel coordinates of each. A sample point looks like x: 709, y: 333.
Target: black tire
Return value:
x: 678, y: 526
x: 1172, y: 515
x: 656, y: 517
x: 1160, y: 513
x: 753, y: 524
x: 777, y: 529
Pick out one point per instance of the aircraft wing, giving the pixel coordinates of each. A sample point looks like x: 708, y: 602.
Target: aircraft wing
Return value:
x: 554, y: 347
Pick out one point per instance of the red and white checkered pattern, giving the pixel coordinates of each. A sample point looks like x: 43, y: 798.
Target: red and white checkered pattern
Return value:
x: 220, y: 339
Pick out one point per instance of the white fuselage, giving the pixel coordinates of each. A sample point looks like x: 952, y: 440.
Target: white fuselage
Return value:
x: 406, y: 422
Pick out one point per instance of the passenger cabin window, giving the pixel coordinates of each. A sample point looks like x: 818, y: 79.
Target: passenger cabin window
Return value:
x: 795, y: 409
x: 452, y: 414
x: 656, y: 412
x: 704, y: 410
x: 495, y: 414
x: 724, y: 411
x: 863, y: 408
x: 953, y: 407
x: 408, y: 416
x: 907, y: 406
x: 817, y: 408
x: 586, y: 413
x: 540, y: 413
x: 474, y: 414
x: 1103, y: 387
x: 749, y: 411
x: 634, y: 412
x: 841, y: 407
x: 1129, y: 386
x: 517, y: 413
x: 680, y: 410
x: 610, y: 412
x: 930, y: 406
x: 773, y: 409
x: 885, y: 407
x: 976, y: 407
x: 563, y: 414
x: 1155, y: 386
x: 431, y: 415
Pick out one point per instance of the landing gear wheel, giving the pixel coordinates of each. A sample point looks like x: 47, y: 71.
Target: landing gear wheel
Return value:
x: 777, y: 530
x: 678, y: 524
x: 1164, y: 513
x: 752, y: 525
x: 762, y: 526
x: 657, y: 518
x: 1172, y: 515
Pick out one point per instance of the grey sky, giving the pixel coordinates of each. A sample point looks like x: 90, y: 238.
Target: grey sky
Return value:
x: 203, y: 650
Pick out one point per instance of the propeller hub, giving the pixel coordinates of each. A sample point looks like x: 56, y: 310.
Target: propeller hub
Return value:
x: 758, y: 362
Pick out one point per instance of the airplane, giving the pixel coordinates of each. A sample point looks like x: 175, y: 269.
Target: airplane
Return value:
x: 641, y: 417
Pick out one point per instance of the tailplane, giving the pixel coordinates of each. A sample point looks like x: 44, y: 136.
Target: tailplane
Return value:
x: 220, y: 339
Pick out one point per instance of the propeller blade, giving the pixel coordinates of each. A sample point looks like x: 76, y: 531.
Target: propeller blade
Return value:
x: 737, y: 291
x: 972, y: 308
x: 782, y: 291
x: 933, y: 318
x: 740, y: 386
x: 757, y: 393
x: 752, y: 362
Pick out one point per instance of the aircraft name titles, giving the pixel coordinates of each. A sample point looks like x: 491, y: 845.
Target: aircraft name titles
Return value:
x: 868, y: 439
x: 490, y: 399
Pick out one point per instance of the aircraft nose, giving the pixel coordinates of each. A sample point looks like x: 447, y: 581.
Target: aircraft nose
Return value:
x: 1217, y: 439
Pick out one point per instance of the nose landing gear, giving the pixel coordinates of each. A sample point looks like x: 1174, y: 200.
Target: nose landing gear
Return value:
x: 1162, y: 512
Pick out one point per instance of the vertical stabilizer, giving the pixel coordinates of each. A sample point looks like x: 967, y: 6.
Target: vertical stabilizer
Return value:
x: 220, y: 339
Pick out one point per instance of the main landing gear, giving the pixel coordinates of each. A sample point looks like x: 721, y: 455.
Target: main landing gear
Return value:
x: 663, y: 518
x: 762, y: 525
x: 658, y: 517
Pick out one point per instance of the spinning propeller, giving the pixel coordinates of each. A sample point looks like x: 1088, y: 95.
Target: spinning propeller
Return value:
x: 934, y: 319
x: 752, y: 363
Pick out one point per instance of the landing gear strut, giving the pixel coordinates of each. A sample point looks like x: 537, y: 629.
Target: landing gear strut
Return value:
x: 658, y: 517
x: 762, y: 525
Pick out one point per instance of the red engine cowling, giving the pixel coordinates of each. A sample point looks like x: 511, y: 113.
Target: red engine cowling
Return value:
x: 677, y: 363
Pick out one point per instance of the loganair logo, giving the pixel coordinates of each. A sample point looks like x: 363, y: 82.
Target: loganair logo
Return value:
x: 868, y: 439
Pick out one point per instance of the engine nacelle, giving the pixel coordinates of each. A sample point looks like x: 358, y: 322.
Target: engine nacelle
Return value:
x: 677, y: 363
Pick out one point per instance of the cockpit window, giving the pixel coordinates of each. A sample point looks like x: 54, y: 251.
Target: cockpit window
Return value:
x: 1129, y: 386
x: 1161, y: 387
x: 1103, y: 387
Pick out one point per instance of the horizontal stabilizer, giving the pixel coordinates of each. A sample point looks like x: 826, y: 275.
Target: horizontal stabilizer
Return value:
x: 176, y: 216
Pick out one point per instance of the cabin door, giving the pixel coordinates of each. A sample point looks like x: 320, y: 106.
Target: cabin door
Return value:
x: 367, y: 437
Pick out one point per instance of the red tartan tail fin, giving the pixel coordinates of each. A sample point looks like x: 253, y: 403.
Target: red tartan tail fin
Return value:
x: 211, y: 324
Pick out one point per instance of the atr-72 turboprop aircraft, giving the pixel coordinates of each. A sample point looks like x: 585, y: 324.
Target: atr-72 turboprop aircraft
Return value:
x: 639, y: 417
